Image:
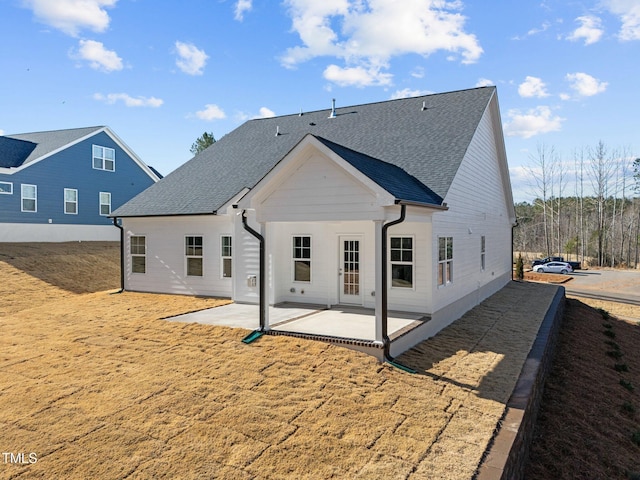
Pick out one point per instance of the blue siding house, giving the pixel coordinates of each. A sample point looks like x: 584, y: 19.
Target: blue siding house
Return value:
x: 62, y: 185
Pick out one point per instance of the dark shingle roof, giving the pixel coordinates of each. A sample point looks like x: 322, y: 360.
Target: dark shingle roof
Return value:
x: 14, y: 152
x: 397, y: 136
x: 390, y: 177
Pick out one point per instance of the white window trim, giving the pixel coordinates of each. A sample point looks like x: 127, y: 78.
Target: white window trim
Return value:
x: 294, y: 259
x: 187, y: 257
x: 103, y: 158
x: 449, y: 279
x: 101, y: 204
x: 64, y: 199
x: 23, y: 198
x: 224, y: 257
x: 138, y: 254
x: 399, y: 262
x: 10, y: 192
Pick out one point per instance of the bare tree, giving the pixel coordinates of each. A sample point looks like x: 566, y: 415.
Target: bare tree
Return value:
x: 602, y: 166
x: 542, y: 173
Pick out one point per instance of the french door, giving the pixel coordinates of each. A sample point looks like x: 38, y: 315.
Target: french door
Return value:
x: 350, y: 270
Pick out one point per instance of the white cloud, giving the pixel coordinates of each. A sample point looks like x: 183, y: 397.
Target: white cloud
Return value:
x: 484, y: 82
x: 418, y: 72
x: 590, y: 30
x: 532, y: 87
x: 71, y: 16
x: 265, y: 112
x: 1, y: 132
x: 242, y: 6
x: 211, y: 112
x: 98, y: 56
x: 191, y: 60
x: 585, y: 85
x: 629, y: 13
x: 128, y: 100
x: 407, y: 93
x: 356, y: 76
x: 359, y: 33
x: 534, y: 122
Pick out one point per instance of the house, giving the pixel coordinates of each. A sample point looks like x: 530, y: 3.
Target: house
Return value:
x: 62, y: 185
x: 402, y: 205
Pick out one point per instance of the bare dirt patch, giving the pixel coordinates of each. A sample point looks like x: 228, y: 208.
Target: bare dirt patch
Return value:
x: 588, y: 417
x: 98, y: 386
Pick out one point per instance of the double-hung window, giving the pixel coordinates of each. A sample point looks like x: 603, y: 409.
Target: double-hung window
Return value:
x: 445, y: 260
x: 193, y: 253
x: 70, y: 201
x: 29, y: 198
x: 105, y: 203
x: 482, y: 252
x: 302, y: 258
x: 138, y: 249
x: 104, y: 158
x: 401, y: 255
x: 226, y: 256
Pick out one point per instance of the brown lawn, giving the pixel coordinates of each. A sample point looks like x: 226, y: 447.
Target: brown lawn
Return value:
x: 97, y: 385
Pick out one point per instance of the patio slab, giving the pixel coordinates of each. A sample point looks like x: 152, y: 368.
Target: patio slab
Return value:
x: 339, y: 321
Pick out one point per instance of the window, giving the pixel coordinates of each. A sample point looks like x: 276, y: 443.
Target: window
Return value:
x: 6, y: 188
x: 301, y: 259
x: 105, y: 203
x: 29, y: 198
x: 402, y: 262
x: 482, y: 252
x: 104, y: 158
x: 70, y: 201
x: 445, y: 260
x: 193, y: 252
x: 225, y: 254
x: 138, y: 254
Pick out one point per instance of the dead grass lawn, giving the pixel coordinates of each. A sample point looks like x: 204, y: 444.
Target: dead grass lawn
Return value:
x: 98, y: 386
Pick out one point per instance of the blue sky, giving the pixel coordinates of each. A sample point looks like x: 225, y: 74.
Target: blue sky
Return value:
x: 160, y: 73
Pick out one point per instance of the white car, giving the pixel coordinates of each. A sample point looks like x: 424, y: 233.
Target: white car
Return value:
x: 554, y: 267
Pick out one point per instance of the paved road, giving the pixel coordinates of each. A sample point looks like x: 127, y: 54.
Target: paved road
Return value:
x: 616, y: 284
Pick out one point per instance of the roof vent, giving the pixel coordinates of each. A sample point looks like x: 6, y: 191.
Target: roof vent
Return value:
x: 333, y: 108
x: 277, y: 131
x: 300, y: 114
x: 424, y: 105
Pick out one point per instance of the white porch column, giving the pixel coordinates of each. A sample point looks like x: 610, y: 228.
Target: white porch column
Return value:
x: 266, y: 290
x: 378, y: 280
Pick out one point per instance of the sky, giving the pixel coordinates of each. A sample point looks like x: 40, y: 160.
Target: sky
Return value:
x: 160, y: 73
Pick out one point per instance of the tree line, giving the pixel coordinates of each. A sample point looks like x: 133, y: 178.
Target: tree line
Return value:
x: 586, y: 208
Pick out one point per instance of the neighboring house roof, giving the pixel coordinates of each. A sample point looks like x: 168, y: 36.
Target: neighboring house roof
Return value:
x: 20, y: 150
x: 14, y: 152
x: 419, y: 148
x: 48, y: 142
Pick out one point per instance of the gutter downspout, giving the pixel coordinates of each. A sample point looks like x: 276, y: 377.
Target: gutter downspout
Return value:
x: 115, y: 223
x: 257, y: 333
x: 385, y: 337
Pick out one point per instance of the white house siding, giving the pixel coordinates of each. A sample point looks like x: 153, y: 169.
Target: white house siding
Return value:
x: 246, y: 260
x: 315, y: 187
x: 165, y: 258
x: 325, y: 284
x: 477, y: 207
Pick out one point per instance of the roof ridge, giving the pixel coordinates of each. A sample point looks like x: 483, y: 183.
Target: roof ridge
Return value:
x: 95, y: 127
x: 379, y: 102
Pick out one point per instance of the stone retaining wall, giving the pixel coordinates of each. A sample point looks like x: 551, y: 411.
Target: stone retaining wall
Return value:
x: 508, y: 452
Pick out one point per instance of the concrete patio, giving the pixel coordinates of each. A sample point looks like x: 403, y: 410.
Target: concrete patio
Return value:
x: 345, y: 322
